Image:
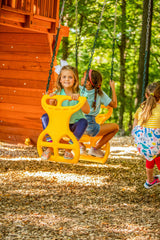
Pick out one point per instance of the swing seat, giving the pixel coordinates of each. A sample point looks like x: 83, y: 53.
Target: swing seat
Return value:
x: 58, y: 129
x: 91, y: 141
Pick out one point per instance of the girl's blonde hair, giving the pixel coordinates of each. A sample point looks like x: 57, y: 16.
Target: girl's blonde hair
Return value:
x: 96, y: 81
x: 75, y: 87
x: 153, y: 96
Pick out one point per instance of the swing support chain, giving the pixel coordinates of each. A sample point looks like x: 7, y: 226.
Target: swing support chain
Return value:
x: 55, y: 46
x: 94, y: 44
x: 146, y: 50
x: 114, y: 39
x: 76, y: 16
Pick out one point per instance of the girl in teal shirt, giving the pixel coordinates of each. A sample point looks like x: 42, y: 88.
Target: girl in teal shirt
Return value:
x: 96, y: 97
x: 68, y: 84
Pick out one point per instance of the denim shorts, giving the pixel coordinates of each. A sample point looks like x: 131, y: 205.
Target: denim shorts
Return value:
x: 93, y: 127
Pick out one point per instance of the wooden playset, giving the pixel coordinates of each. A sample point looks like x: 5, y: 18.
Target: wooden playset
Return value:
x: 27, y: 37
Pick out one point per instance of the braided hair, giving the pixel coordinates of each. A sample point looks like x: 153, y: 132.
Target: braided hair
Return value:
x: 95, y: 78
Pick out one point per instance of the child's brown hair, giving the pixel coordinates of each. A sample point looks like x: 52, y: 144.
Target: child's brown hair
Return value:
x: 95, y: 78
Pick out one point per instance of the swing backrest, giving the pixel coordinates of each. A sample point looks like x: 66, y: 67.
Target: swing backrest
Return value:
x: 90, y: 141
x: 102, y: 117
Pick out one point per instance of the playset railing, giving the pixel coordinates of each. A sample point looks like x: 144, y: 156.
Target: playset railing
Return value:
x: 45, y: 8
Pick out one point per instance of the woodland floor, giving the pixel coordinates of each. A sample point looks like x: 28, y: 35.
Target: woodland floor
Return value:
x: 47, y: 200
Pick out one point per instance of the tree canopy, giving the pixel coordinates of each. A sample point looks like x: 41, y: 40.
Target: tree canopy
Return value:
x: 130, y: 22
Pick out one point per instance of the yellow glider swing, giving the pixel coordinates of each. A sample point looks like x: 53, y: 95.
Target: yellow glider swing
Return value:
x: 58, y: 127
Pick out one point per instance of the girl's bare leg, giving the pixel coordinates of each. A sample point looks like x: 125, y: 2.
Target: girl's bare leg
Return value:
x: 149, y: 173
x: 107, y: 130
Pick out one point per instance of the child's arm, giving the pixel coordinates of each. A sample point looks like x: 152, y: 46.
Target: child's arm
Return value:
x: 85, y: 108
x: 135, y: 122
x: 113, y: 103
x: 136, y: 117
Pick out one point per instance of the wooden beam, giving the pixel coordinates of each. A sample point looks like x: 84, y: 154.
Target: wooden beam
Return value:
x: 20, y: 99
x: 33, y: 57
x: 25, y: 75
x: 25, y: 92
x: 21, y: 123
x: 29, y: 38
x: 22, y: 109
x: 18, y: 135
x: 7, y: 82
x: 27, y: 66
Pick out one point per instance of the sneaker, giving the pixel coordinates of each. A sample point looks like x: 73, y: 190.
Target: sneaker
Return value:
x: 68, y: 155
x: 96, y: 152
x: 46, y: 155
x: 48, y: 138
x: 155, y: 182
x: 83, y: 150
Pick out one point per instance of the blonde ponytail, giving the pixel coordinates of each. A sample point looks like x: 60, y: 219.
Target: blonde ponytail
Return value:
x: 153, y: 96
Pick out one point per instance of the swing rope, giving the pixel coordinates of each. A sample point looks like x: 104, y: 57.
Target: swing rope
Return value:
x: 114, y: 39
x: 55, y: 46
x: 146, y: 51
x: 76, y: 15
x: 95, y: 40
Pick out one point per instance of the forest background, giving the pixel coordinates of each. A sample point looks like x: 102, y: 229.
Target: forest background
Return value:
x: 130, y: 31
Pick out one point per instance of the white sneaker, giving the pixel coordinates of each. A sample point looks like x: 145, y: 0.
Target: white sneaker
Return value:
x: 96, y: 152
x: 83, y: 150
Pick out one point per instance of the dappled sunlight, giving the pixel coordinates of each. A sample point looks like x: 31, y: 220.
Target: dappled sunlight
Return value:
x: 19, y: 159
x: 83, y: 200
x: 130, y: 189
x: 31, y: 191
x: 122, y: 150
x: 102, y: 165
x: 126, y: 157
x: 59, y: 177
x: 56, y: 222
x: 125, y: 229
x: 38, y: 219
x: 69, y: 178
x: 12, y: 147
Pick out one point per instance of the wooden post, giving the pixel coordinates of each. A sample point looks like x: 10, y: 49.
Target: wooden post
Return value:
x: 29, y: 18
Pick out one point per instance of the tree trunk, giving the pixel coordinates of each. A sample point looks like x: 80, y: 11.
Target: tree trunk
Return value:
x: 143, y: 66
x: 65, y: 50
x: 122, y: 65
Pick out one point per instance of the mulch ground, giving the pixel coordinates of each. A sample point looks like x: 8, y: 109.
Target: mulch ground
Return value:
x: 47, y: 200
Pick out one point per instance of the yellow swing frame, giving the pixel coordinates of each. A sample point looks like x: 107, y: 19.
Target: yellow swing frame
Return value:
x: 91, y: 141
x: 58, y: 128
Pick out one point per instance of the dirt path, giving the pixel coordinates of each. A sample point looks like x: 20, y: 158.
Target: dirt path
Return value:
x: 43, y: 200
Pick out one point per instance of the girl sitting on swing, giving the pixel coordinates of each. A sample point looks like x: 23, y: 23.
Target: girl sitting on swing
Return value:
x: 96, y: 97
x: 68, y: 84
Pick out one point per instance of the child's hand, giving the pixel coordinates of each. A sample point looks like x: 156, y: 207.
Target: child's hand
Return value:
x: 52, y: 94
x: 112, y: 84
x: 52, y: 101
x: 75, y: 96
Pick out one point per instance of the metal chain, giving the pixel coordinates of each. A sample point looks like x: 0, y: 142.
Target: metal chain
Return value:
x: 96, y: 36
x: 55, y: 46
x: 76, y: 33
x: 146, y: 50
x: 114, y: 39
